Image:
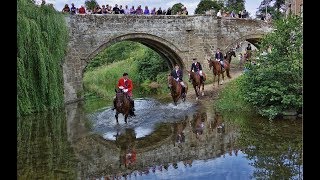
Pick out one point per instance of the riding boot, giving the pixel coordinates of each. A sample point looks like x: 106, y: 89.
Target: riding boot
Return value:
x: 201, y: 78
x: 183, y: 90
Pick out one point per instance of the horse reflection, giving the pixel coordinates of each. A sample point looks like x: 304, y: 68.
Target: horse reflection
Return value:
x: 198, y: 123
x: 218, y: 123
x: 126, y: 142
x: 178, y: 131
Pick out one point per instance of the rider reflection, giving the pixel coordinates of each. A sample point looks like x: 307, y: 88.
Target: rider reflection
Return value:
x: 126, y: 142
x: 199, y: 123
x: 178, y: 130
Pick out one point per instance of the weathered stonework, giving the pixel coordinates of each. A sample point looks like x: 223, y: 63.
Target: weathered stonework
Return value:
x: 177, y: 39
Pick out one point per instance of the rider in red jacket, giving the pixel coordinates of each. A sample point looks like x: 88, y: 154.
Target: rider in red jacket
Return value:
x: 125, y: 84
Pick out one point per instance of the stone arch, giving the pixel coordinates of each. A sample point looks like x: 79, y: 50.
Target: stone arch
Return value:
x: 252, y: 38
x: 166, y: 50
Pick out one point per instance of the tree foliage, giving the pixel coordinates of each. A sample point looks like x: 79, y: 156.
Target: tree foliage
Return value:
x: 234, y: 5
x: 176, y: 8
x: 116, y: 52
x: 206, y: 5
x: 275, y: 84
x: 275, y: 7
x: 42, y: 37
x: 90, y: 4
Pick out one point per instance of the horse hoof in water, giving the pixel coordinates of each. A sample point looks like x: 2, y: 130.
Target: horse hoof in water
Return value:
x: 197, y: 98
x: 202, y: 94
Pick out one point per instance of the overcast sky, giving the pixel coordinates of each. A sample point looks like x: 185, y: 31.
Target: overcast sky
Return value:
x: 250, y: 5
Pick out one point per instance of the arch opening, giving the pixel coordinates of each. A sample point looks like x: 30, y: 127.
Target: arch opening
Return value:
x: 165, y: 49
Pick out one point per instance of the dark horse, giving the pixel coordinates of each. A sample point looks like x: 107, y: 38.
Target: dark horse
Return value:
x: 176, y: 89
x: 229, y: 55
x: 217, y: 69
x: 196, y: 82
x: 123, y: 104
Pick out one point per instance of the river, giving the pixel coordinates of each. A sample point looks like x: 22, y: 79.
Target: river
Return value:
x: 187, y: 141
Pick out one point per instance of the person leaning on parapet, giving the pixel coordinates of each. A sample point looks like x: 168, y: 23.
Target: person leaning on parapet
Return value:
x: 66, y: 9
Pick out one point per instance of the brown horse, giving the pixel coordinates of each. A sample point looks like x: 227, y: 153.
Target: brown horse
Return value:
x: 176, y: 89
x: 123, y: 105
x: 217, y: 70
x: 197, y: 83
x: 229, y: 55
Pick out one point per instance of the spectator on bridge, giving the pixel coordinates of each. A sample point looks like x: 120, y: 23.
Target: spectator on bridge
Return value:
x: 97, y: 10
x: 159, y: 12
x: 104, y: 9
x: 132, y: 10
x: 126, y: 10
x: 219, y: 14
x: 73, y: 10
x: 116, y: 10
x: 153, y: 11
x: 66, y: 9
x: 184, y: 10
x: 121, y: 10
x: 139, y: 10
x: 168, y: 11
x: 82, y: 10
x: 239, y: 14
x: 146, y: 11
x: 232, y: 15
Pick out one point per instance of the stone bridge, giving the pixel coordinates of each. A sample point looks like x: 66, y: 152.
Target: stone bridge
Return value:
x: 177, y: 39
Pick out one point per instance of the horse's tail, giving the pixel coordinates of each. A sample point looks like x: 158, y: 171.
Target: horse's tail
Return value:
x: 228, y: 73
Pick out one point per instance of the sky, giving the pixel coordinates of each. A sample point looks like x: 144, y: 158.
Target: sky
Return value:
x: 250, y: 5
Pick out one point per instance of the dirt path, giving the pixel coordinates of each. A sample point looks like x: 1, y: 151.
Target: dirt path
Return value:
x: 212, y: 92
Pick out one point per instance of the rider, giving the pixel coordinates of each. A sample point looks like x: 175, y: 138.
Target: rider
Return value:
x: 197, y: 68
x: 219, y: 57
x: 125, y: 84
x: 178, y: 75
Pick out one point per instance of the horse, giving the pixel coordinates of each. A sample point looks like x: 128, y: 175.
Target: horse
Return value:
x: 217, y: 70
x: 229, y: 55
x: 196, y: 82
x: 176, y: 89
x: 123, y: 104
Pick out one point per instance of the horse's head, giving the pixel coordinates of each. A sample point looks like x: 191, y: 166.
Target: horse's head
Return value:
x: 232, y: 53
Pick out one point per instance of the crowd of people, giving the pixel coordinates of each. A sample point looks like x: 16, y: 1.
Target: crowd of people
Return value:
x: 119, y: 9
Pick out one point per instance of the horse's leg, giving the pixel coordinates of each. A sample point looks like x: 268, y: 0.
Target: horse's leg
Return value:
x: 222, y: 74
x: 116, y: 117
x: 202, y: 89
x: 214, y: 79
x: 195, y: 89
x: 125, y: 118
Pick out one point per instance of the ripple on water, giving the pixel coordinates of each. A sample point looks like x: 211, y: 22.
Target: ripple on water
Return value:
x: 148, y: 113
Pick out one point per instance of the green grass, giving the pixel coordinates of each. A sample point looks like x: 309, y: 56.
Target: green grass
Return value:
x: 231, y: 99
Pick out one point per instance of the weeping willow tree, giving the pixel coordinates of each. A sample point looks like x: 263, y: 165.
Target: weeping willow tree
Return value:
x: 41, y: 40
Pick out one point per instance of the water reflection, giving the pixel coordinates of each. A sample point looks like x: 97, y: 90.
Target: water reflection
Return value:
x: 192, y: 142
x: 43, y: 149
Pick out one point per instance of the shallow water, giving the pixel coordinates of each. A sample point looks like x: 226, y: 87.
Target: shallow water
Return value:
x: 188, y: 141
